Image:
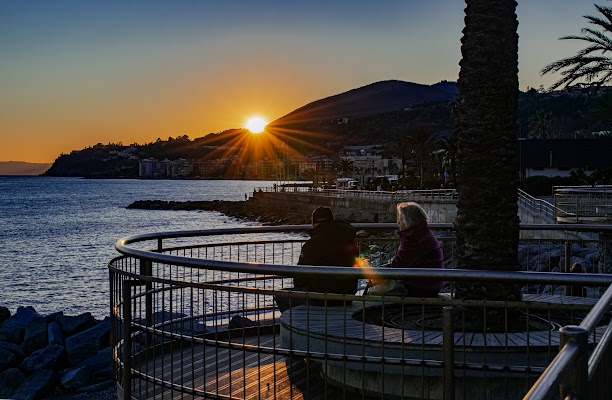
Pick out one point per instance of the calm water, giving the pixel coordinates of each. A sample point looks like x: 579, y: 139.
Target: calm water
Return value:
x: 57, y: 234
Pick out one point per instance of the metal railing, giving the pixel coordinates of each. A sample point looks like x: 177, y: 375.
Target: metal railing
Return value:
x: 538, y: 206
x: 370, y: 195
x: 583, y: 204
x: 199, y: 320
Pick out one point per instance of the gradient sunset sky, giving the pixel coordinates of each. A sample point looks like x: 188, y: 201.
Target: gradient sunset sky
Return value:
x: 75, y: 73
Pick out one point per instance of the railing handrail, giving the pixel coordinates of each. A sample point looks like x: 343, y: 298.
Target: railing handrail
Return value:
x: 382, y: 273
x: 361, y: 225
x: 597, y: 312
x: 539, y: 205
x: 548, y: 382
x: 417, y: 193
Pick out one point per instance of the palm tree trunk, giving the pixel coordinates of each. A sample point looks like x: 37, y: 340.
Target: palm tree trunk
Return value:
x: 487, y: 223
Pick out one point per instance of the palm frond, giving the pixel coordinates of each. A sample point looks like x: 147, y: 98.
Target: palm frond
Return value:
x: 593, y: 64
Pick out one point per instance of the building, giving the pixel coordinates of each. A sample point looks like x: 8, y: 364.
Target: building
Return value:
x: 559, y: 157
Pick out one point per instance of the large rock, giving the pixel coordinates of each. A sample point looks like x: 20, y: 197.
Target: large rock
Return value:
x: 241, y: 322
x: 13, y: 348
x: 35, y: 335
x: 13, y: 328
x: 75, y: 378
x: 51, y: 357
x: 36, y: 386
x: 53, y: 316
x: 87, y: 343
x: 10, y: 380
x: 4, y: 314
x: 187, y: 327
x: 99, y: 365
x: 7, y: 359
x: 11, y: 331
x: 54, y: 334
x: 24, y: 315
x: 73, y: 324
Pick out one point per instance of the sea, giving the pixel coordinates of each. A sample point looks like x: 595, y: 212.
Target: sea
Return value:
x: 57, y: 235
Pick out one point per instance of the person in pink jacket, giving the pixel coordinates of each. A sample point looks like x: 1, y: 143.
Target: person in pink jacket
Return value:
x: 418, y: 248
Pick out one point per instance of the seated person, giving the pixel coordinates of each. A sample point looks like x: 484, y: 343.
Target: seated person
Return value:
x: 418, y: 248
x: 331, y: 243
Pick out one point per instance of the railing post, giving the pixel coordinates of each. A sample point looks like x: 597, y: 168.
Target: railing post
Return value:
x: 448, y: 353
x: 568, y: 264
x: 576, y: 381
x: 127, y: 339
x: 146, y: 269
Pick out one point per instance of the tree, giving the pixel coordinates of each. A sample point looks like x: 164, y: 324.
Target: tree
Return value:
x: 401, y: 149
x: 422, y: 140
x: 449, y: 145
x: 487, y: 223
x: 593, y: 64
x: 540, y: 124
x: 601, y: 109
x: 345, y: 166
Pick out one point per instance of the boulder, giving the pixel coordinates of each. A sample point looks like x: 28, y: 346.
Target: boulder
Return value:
x: 10, y: 380
x: 53, y: 316
x: 241, y: 322
x: 7, y: 359
x: 87, y: 343
x: 4, y: 314
x: 24, y: 315
x: 11, y: 331
x: 73, y: 324
x: 35, y: 335
x: 99, y: 365
x: 36, y: 386
x: 13, y: 348
x: 51, y: 357
x: 187, y: 327
x: 54, y: 334
x: 75, y: 378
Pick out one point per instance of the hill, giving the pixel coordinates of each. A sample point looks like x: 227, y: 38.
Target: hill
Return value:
x: 22, y: 168
x: 376, y: 98
x: 377, y: 113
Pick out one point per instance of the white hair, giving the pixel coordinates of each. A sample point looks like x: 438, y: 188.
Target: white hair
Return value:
x: 410, y: 214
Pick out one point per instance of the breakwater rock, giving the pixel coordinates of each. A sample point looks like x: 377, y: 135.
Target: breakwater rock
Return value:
x: 45, y: 355
x: 251, y: 209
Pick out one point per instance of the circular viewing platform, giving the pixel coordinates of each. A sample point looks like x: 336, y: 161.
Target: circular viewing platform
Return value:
x: 196, y: 317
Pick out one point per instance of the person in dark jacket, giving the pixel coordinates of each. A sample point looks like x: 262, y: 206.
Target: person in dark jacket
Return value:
x: 418, y: 248
x: 331, y: 243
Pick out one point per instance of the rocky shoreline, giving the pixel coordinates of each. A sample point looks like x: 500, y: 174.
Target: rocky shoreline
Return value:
x: 250, y: 210
x: 54, y: 356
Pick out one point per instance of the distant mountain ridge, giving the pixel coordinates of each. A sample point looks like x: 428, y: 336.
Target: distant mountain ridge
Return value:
x: 375, y: 98
x: 22, y: 168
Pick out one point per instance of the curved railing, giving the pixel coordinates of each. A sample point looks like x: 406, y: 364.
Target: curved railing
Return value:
x: 199, y: 319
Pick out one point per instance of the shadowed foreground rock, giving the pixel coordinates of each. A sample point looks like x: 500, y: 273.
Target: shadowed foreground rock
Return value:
x: 251, y: 210
x: 36, y: 353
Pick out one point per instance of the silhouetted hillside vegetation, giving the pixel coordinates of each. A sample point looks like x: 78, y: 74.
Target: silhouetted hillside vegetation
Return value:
x: 379, y: 113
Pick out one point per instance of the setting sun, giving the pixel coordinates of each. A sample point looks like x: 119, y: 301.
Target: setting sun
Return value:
x: 256, y: 125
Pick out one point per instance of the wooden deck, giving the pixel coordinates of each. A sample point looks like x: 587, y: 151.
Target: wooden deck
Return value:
x: 246, y: 373
x: 337, y: 322
x: 236, y: 374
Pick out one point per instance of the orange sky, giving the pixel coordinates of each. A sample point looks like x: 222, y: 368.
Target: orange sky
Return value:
x: 75, y: 73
